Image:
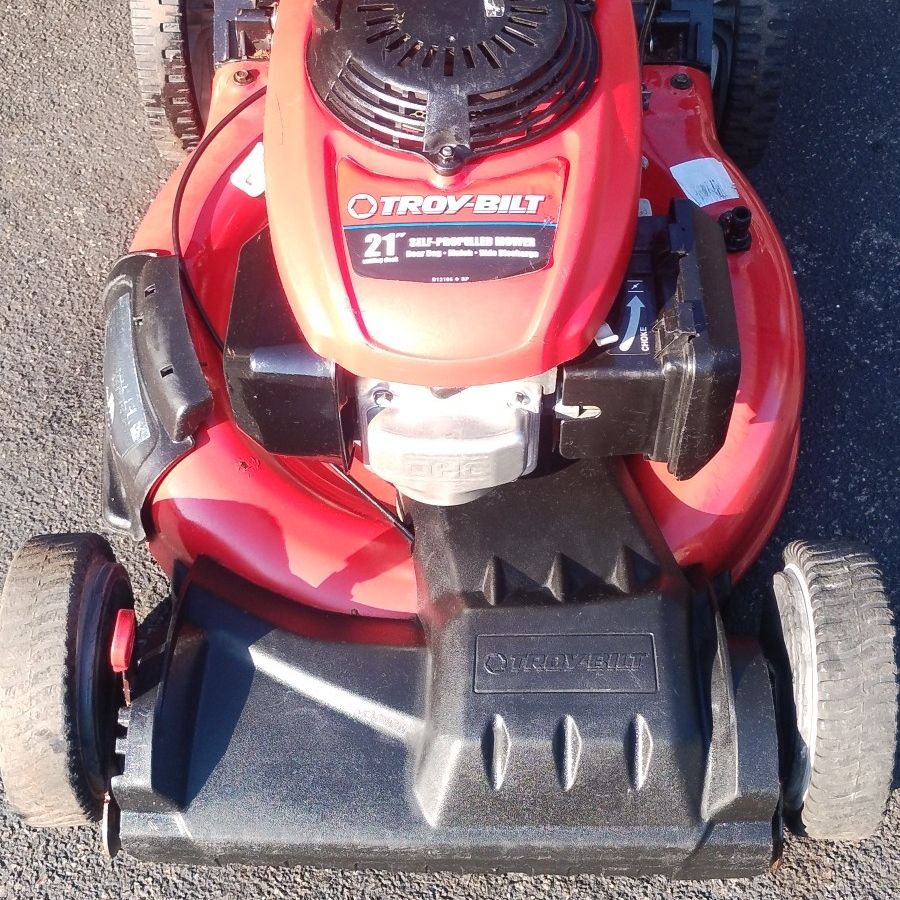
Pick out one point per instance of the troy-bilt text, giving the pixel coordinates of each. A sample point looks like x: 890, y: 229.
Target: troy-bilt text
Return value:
x: 364, y: 206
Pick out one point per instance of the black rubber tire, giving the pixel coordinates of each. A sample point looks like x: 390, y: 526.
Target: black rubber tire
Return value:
x: 174, y: 56
x: 58, y: 695
x: 832, y: 607
x: 752, y: 86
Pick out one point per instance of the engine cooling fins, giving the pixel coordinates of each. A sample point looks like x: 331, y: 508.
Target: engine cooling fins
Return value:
x: 453, y: 80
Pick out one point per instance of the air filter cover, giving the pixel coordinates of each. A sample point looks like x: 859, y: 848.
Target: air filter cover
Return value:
x: 453, y: 79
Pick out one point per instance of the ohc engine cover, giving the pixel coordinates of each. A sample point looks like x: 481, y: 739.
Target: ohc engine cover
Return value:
x: 371, y: 106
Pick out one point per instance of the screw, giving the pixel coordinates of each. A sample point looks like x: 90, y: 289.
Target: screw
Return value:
x: 447, y: 152
x: 382, y: 399
x: 244, y: 76
x: 682, y: 81
x: 736, y: 227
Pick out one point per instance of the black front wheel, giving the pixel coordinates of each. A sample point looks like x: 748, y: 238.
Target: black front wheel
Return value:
x: 59, y: 695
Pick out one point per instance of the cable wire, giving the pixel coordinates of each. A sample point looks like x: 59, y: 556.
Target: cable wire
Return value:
x: 186, y: 282
x: 371, y: 498
x: 649, y: 16
x: 200, y: 310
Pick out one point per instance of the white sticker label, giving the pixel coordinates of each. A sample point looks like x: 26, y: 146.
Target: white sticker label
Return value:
x: 705, y: 181
x: 644, y: 208
x: 250, y: 175
x: 140, y: 432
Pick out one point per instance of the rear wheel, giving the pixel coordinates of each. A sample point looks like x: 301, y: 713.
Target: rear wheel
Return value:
x: 58, y: 694
x: 751, y: 58
x: 841, y: 716
x: 173, y: 49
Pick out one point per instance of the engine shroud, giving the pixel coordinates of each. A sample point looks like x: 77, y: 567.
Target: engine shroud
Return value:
x: 371, y: 150
x: 451, y: 79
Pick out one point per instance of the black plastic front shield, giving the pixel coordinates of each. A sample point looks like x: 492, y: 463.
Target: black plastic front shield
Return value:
x: 621, y: 732
x: 156, y: 395
x: 266, y: 747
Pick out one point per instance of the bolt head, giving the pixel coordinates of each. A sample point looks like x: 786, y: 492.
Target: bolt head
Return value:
x: 244, y: 76
x: 682, y: 81
x: 522, y: 399
x: 382, y: 399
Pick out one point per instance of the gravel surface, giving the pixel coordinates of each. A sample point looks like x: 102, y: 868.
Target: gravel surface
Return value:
x: 75, y: 176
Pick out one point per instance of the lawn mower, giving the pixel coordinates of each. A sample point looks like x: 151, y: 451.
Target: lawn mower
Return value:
x: 454, y: 380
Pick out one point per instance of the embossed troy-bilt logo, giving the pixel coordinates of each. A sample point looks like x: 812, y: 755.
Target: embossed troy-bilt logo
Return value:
x: 534, y: 663
x: 498, y: 663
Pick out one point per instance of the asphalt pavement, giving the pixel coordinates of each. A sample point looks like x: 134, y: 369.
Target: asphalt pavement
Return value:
x: 75, y: 174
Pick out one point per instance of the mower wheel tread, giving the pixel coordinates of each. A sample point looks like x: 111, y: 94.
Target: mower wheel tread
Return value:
x: 856, y: 674
x: 757, y: 75
x: 164, y: 76
x: 42, y: 771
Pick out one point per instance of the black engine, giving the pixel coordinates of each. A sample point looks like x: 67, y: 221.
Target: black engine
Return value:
x: 449, y: 80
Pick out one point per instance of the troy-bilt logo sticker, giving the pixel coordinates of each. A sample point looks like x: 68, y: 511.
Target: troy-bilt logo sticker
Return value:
x: 410, y: 231
x: 365, y: 206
